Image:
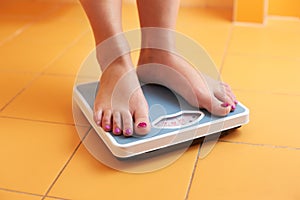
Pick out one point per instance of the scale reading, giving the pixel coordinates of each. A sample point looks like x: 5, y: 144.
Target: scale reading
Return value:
x: 178, y: 120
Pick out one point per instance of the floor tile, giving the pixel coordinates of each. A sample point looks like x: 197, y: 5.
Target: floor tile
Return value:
x: 24, y: 56
x: 11, y: 84
x: 53, y: 198
x: 212, y: 39
x: 10, y: 30
x: 206, y: 17
x: 87, y: 178
x: 257, y: 73
x: 274, y: 120
x: 33, y: 153
x: 43, y: 41
x: 49, y: 98
x: 289, y: 24
x: 264, y: 41
x: 8, y: 195
x: 70, y: 62
x: 26, y: 10
x: 234, y: 171
x: 210, y: 29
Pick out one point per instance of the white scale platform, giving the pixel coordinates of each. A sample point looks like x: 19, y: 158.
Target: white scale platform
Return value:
x: 173, y: 121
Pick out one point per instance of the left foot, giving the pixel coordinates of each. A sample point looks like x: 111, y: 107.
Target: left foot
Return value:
x: 120, y: 105
x: 172, y: 71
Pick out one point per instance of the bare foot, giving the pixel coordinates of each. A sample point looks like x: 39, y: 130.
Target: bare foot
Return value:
x: 120, y: 105
x: 172, y: 71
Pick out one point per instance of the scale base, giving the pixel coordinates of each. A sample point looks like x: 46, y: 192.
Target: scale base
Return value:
x: 174, y: 123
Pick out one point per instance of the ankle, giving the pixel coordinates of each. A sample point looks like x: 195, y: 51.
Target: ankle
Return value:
x: 151, y: 55
x: 120, y: 65
x: 113, y: 49
x: 158, y: 38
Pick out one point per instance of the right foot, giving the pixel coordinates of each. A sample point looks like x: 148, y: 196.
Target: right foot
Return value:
x: 172, y: 71
x: 120, y: 105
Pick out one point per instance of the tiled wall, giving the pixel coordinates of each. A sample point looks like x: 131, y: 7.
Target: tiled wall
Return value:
x: 254, y: 11
x: 257, y: 10
x: 284, y: 7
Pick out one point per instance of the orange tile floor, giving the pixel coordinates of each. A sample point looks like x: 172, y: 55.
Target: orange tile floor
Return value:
x: 43, y: 44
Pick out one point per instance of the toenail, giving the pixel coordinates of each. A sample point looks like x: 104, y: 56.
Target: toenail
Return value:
x: 142, y: 125
x: 225, y: 105
x: 236, y: 102
x: 128, y: 132
x: 233, y: 107
x: 107, y: 127
x: 117, y: 130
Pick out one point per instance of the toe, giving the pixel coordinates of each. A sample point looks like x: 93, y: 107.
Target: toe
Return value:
x: 141, y: 122
x: 231, y: 96
x: 217, y: 107
x: 98, y: 116
x: 225, y: 95
x: 127, y: 124
x: 117, y: 123
x: 222, y: 93
x: 106, y: 120
x: 230, y: 93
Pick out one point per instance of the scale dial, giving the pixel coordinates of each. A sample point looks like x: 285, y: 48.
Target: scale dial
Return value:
x: 178, y: 120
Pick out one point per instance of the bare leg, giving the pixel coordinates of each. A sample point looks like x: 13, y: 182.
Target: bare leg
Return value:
x: 112, y: 111
x: 171, y: 70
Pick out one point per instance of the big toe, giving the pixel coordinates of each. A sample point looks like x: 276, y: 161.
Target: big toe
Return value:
x: 218, y: 108
x: 141, y: 122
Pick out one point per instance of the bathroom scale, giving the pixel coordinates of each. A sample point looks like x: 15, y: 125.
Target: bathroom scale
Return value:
x: 173, y: 121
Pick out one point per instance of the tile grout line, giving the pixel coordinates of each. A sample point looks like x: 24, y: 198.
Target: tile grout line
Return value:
x: 21, y: 192
x: 263, y: 56
x: 267, y: 92
x: 263, y: 145
x: 16, y: 33
x: 54, y: 197
x: 42, y: 72
x: 65, y: 165
x: 193, y: 173
x: 221, y: 67
x: 62, y: 52
x: 225, y: 52
x: 12, y: 99
x: 36, y: 120
x: 26, y: 26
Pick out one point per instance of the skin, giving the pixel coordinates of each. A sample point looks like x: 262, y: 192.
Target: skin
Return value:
x: 120, y: 105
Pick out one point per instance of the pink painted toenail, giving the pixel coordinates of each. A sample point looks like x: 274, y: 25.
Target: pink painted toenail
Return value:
x: 225, y: 105
x: 107, y: 127
x: 117, y: 130
x: 236, y: 102
x: 233, y: 107
x: 142, y: 125
x: 128, y: 132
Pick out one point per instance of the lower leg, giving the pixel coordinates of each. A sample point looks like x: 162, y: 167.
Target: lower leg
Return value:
x: 105, y: 19
x: 158, y: 13
x: 158, y: 21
